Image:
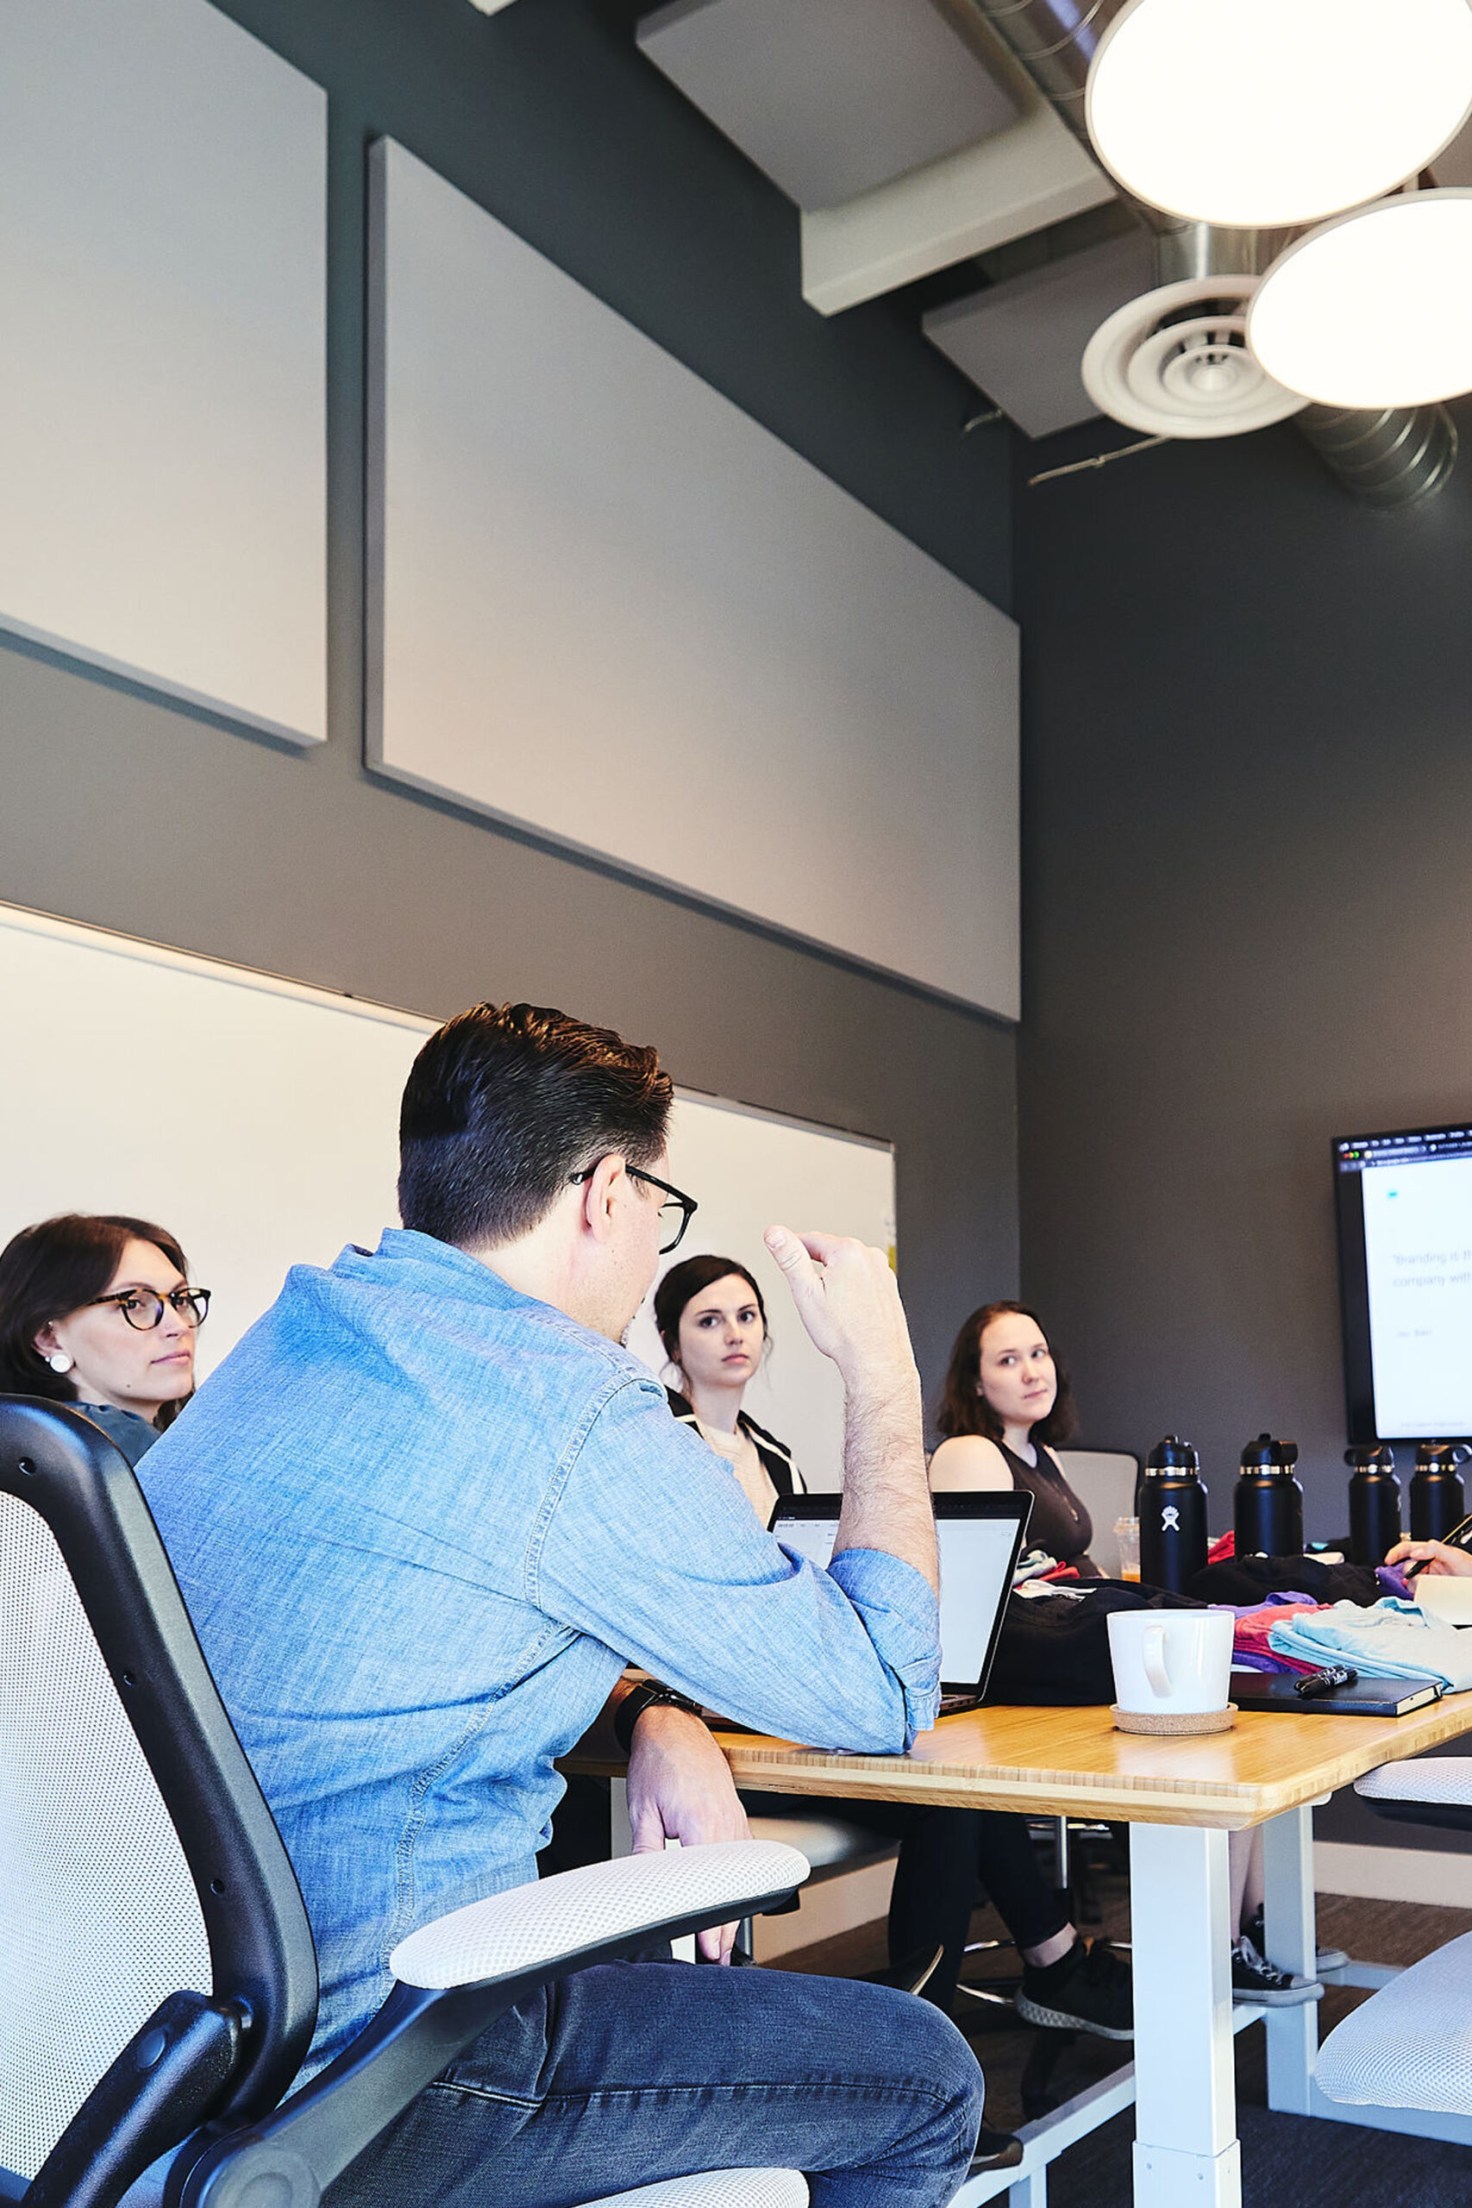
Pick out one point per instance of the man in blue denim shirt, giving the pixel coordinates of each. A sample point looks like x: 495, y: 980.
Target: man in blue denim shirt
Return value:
x: 424, y: 1515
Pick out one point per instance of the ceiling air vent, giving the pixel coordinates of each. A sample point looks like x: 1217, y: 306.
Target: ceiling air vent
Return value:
x: 1174, y: 363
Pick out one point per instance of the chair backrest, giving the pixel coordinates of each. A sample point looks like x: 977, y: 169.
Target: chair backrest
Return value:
x: 1104, y: 1482
x: 139, y: 1858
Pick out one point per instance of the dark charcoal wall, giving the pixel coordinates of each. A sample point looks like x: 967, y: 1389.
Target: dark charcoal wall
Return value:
x: 1247, y: 926
x: 138, y: 815
x: 1248, y: 795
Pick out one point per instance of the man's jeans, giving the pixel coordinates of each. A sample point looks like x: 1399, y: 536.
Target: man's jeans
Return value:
x: 627, y: 2073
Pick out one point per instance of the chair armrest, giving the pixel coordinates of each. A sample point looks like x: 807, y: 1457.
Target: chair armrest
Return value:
x: 475, y: 1964
x: 1429, y: 1790
x: 545, y: 1927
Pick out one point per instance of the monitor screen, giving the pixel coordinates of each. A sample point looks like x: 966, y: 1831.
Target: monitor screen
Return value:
x: 1405, y: 1274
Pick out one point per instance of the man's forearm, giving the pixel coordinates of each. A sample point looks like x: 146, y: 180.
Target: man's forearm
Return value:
x: 848, y: 1299
x: 886, y: 1496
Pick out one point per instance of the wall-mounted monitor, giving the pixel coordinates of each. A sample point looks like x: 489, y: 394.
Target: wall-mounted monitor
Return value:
x: 1404, y: 1203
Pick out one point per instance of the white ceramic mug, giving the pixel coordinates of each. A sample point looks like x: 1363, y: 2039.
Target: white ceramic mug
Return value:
x: 1176, y: 1661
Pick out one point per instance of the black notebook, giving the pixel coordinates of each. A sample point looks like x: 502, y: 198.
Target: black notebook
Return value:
x: 1367, y: 1697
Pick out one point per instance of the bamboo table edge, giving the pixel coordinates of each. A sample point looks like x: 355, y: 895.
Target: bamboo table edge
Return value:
x: 1043, y: 1761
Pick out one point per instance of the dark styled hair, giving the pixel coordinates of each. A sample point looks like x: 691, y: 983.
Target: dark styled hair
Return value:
x: 963, y: 1407
x: 683, y: 1283
x: 53, y: 1268
x: 504, y: 1103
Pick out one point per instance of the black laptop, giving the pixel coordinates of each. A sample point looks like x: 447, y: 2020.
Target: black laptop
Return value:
x: 980, y: 1539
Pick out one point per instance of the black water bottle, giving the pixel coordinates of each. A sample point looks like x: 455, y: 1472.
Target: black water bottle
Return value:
x: 1438, y: 1499
x: 1374, y: 1504
x: 1267, y: 1508
x: 1172, y: 1513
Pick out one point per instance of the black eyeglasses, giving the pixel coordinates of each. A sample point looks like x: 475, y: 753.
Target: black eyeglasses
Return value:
x: 676, y: 1212
x: 143, y: 1308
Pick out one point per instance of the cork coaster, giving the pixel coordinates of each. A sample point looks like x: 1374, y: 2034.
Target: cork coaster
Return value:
x: 1176, y: 1722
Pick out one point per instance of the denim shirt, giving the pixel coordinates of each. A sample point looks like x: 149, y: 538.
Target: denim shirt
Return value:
x: 421, y: 1522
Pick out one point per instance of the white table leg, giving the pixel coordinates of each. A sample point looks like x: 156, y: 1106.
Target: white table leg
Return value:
x: 620, y: 1832
x: 1186, y: 2151
x: 1291, y: 1935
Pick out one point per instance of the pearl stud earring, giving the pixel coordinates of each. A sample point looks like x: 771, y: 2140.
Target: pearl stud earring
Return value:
x: 59, y: 1361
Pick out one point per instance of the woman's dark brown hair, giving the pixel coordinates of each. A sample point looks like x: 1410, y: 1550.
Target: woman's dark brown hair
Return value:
x: 685, y: 1281
x: 963, y: 1407
x: 53, y: 1268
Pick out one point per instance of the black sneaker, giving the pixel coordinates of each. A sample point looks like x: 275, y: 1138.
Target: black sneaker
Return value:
x: 1090, y: 1989
x: 995, y: 2150
x: 1325, y: 1958
x: 1254, y: 1978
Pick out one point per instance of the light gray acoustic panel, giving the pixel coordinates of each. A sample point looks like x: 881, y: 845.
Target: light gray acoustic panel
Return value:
x: 162, y: 373
x: 608, y: 606
x: 1022, y: 342
x: 829, y: 97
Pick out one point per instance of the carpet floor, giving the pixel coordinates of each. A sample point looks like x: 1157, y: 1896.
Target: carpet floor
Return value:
x: 1284, y: 2158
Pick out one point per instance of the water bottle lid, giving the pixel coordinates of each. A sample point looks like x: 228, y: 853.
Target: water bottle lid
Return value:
x: 1172, y: 1455
x: 1380, y: 1458
x: 1440, y: 1456
x: 1267, y: 1452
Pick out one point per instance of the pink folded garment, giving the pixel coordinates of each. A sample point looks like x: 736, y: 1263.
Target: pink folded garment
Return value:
x: 1250, y: 1637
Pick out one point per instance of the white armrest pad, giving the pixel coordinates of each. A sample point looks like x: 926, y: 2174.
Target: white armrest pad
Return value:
x: 1433, y: 1779
x: 556, y: 1917
x: 1406, y: 2047
x: 718, y: 2189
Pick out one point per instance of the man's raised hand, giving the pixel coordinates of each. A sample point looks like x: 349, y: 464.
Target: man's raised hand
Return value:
x: 849, y: 1301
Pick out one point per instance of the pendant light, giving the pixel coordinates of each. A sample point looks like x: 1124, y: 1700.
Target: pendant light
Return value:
x: 1264, y: 114
x: 1375, y: 308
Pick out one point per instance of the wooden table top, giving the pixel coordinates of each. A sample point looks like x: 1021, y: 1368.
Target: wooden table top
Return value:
x: 1046, y: 1761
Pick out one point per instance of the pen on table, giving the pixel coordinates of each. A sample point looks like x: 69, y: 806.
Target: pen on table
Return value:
x: 1326, y: 1681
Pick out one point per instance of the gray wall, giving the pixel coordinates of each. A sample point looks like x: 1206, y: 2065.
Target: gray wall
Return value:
x: 124, y: 811
x: 1247, y: 796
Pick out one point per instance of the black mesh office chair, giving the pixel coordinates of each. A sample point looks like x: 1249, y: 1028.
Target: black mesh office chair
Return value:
x: 160, y: 1984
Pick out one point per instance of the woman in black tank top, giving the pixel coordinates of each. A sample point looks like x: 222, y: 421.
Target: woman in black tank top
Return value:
x: 1006, y: 1404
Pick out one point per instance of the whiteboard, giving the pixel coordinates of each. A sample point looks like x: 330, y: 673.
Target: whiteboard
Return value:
x: 606, y: 604
x: 163, y: 260
x: 257, y: 1119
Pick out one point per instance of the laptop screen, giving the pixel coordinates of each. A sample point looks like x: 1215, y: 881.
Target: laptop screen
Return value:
x: 979, y: 1537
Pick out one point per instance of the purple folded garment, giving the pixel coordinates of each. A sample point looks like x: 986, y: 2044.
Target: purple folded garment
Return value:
x: 1265, y: 1602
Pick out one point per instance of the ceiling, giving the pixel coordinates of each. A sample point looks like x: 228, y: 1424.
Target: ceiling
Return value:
x: 913, y: 144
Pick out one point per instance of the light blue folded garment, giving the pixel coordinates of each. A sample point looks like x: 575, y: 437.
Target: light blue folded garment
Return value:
x: 1389, y: 1640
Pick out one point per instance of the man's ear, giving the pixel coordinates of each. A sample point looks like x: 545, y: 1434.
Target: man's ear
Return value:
x: 605, y: 1187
